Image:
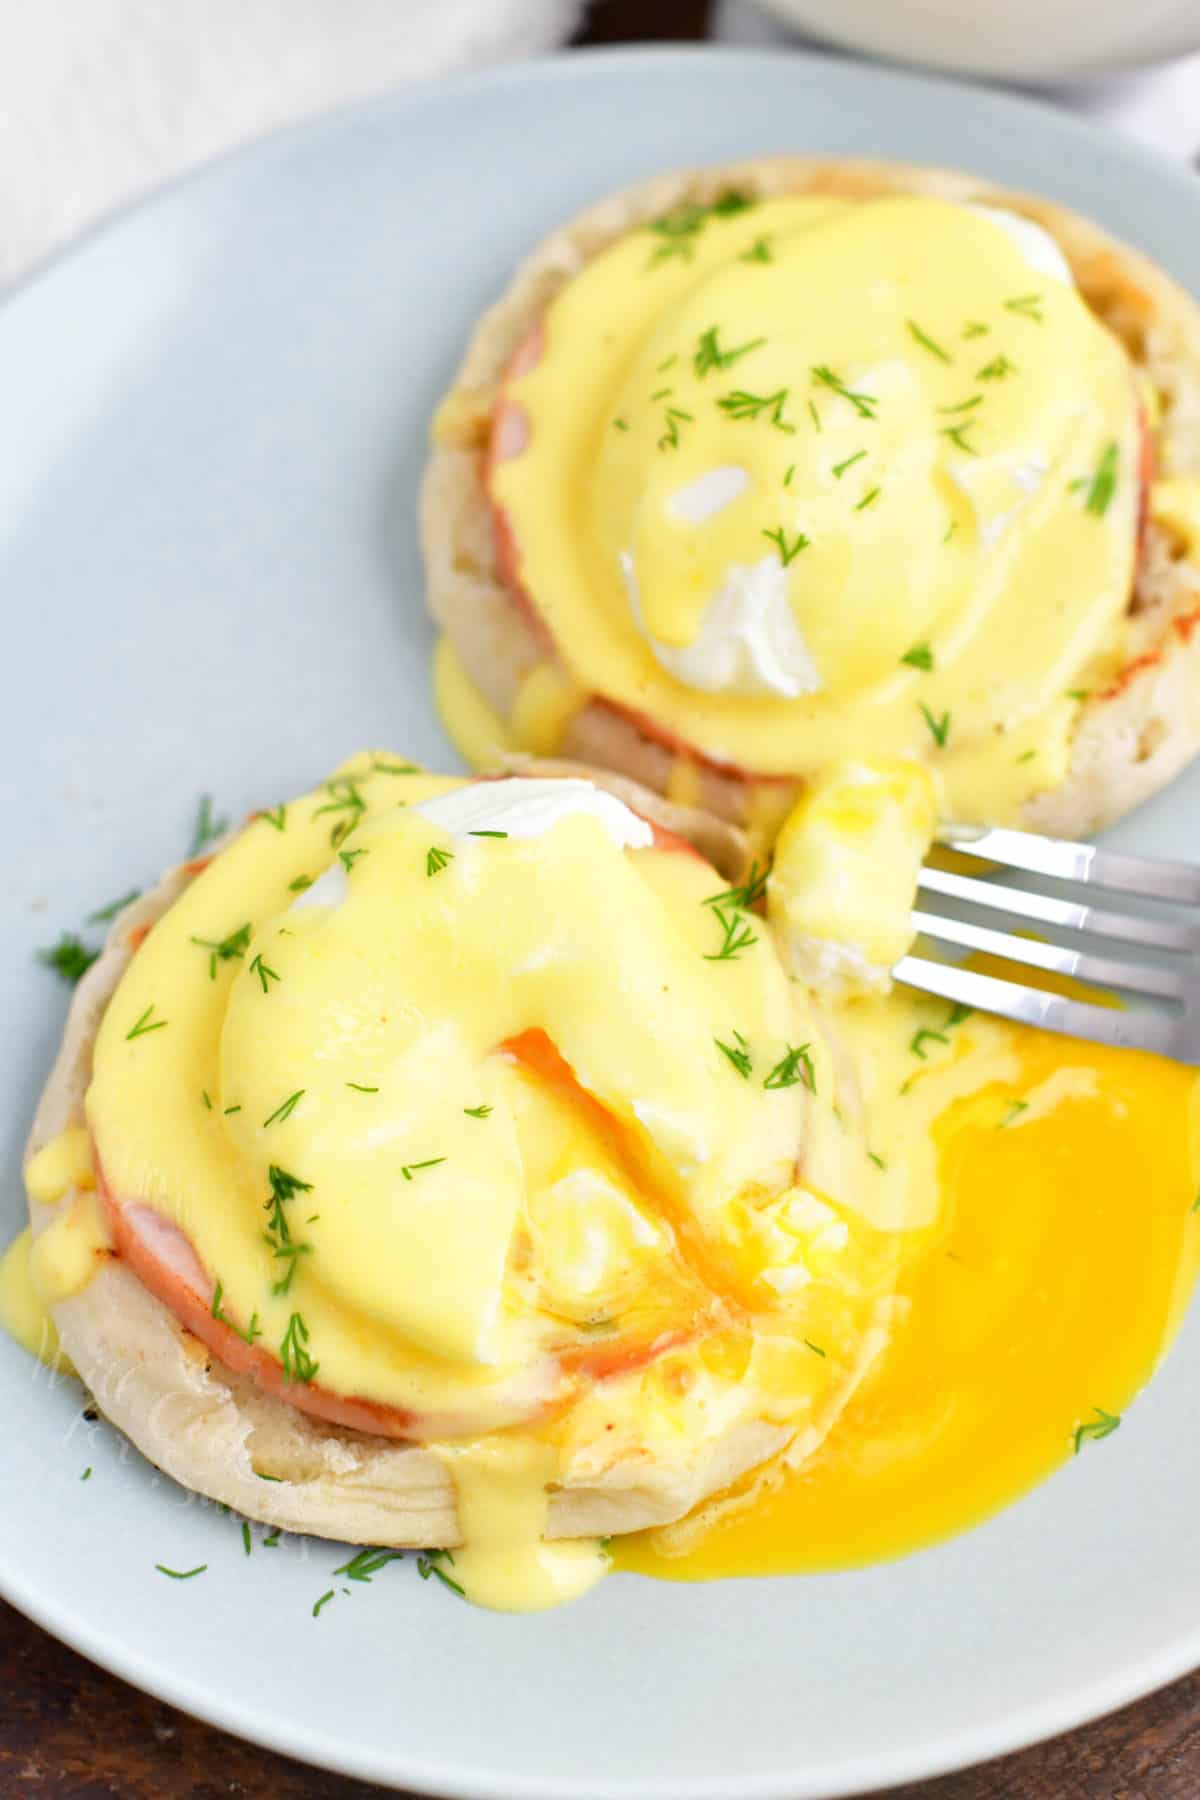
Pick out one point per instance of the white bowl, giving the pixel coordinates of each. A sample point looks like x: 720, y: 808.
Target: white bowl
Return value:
x: 1031, y: 40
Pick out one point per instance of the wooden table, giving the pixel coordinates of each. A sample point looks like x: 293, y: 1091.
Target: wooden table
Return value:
x: 70, y: 1732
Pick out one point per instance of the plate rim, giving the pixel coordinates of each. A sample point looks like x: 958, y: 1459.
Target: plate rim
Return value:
x: 857, y: 1773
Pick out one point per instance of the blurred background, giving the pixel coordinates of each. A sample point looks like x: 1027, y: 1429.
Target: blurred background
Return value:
x: 101, y: 100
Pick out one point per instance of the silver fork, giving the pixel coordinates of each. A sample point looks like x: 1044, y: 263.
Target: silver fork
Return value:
x: 1170, y: 977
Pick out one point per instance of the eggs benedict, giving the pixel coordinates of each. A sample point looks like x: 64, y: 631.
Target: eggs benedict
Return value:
x: 762, y: 469
x: 439, y: 1154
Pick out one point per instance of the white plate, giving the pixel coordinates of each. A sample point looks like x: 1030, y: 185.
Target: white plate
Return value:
x: 212, y: 425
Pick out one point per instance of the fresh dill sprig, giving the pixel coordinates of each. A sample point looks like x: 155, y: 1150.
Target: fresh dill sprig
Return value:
x: 436, y: 859
x: 997, y: 370
x: 206, y: 827
x: 737, y: 936
x: 478, y: 1112
x: 348, y: 858
x: 868, y: 499
x: 326, y: 1597
x: 963, y: 406
x: 923, y: 1037
x: 793, y: 1068
x: 181, y: 1574
x: 787, y: 552
x: 380, y: 766
x: 1102, y: 1426
x: 939, y: 727
x: 960, y: 1012
x: 275, y: 816
x: 70, y: 958
x: 286, y: 1108
x: 815, y: 1348
x: 709, y: 354
x: 957, y: 436
x: 877, y: 1160
x: 144, y: 1025
x: 298, y: 1365
x: 839, y: 469
x: 495, y: 834
x: 737, y: 1053
x: 863, y: 404
x: 740, y: 404
x: 360, y: 1087
x: 298, y: 886
x: 919, y: 657
x: 410, y: 1169
x: 227, y: 949
x: 927, y: 343
x: 344, y: 798
x: 759, y: 251
x: 1103, y: 483
x: 975, y: 328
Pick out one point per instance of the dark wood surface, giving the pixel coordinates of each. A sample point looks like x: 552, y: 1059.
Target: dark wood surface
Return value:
x: 68, y: 1731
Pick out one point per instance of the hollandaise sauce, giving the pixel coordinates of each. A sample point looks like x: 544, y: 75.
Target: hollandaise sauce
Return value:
x: 796, y: 478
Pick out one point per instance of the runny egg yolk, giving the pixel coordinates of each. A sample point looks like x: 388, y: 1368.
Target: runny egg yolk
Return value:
x: 812, y: 478
x: 1031, y: 1311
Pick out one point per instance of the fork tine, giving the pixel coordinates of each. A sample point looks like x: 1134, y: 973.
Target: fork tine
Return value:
x: 1031, y: 1006
x: 1161, y: 934
x: 1104, y: 971
x: 1078, y: 862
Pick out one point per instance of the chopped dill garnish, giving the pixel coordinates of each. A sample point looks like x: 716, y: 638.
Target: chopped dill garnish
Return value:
x: 1015, y: 1110
x: 787, y: 552
x: 738, y: 1054
x: 431, y: 1564
x: 868, y: 499
x: 298, y: 1365
x: 144, y: 1025
x: 1103, y: 484
x: 105, y: 914
x: 496, y: 834
x: 266, y: 974
x: 436, y: 860
x: 206, y: 827
x: 326, y: 1597
x: 620, y: 424
x: 750, y: 892
x: 410, y: 1169
x: 70, y: 958
x: 380, y: 767
x: 678, y: 229
x: 672, y: 419
x: 359, y: 1088
x: 298, y: 886
x: 709, y: 354
x: 959, y: 1014
x: 286, y: 1108
x: 815, y: 1348
x: 368, y: 1562
x: 877, y: 1160
x: 919, y: 657
x: 276, y: 816
x: 814, y: 415
x: 927, y: 343
x: 87, y: 1473
x: 975, y: 328
x: 795, y: 1067
x: 759, y: 251
x: 252, y: 1330
x: 957, y: 436
x: 787, y: 479
x: 926, y: 1036
x: 478, y: 1112
x: 839, y: 469
x: 996, y: 370
x: 863, y: 404
x: 1027, y: 306
x: 226, y: 949
x: 939, y: 727
x: 1102, y: 1426
x: 737, y: 936
x: 1027, y: 756
x: 246, y: 1545
x: 348, y: 858
x: 205, y: 1098
x: 964, y: 406
x: 740, y: 404
x: 181, y: 1574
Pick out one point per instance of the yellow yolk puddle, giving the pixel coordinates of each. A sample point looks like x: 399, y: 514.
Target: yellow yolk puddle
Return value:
x: 1065, y: 1257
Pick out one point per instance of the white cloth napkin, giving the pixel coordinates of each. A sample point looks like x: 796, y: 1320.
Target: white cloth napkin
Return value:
x: 103, y: 99
x: 1159, y: 105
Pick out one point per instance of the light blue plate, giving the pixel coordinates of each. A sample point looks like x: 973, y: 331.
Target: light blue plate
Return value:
x: 212, y: 422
